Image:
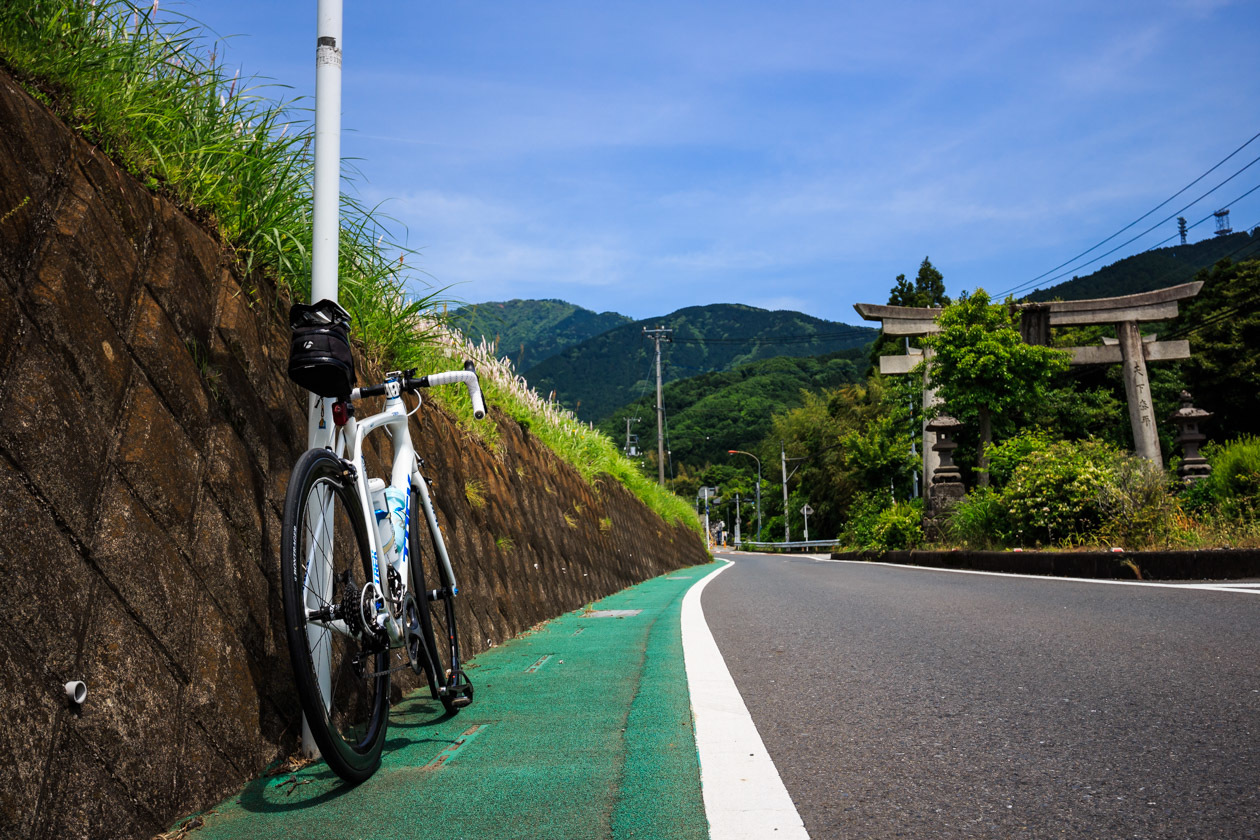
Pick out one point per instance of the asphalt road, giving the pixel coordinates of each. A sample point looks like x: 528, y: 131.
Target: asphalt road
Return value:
x: 917, y: 703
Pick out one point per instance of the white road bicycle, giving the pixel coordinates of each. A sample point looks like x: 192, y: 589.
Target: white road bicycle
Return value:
x: 353, y: 602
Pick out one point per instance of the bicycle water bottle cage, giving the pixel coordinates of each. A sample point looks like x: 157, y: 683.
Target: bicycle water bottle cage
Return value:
x: 320, y: 359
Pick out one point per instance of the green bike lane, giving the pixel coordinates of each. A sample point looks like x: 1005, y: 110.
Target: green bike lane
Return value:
x: 580, y: 729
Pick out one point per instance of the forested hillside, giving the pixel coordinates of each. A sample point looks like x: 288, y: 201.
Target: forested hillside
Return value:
x: 529, y: 331
x: 1154, y: 269
x: 607, y: 371
x: 710, y: 414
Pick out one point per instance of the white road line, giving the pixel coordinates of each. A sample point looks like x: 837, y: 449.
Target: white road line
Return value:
x: 1249, y: 588
x: 744, y: 798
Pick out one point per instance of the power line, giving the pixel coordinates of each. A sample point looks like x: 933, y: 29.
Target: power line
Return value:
x: 1168, y: 274
x: 1139, y: 218
x: 1174, y: 214
x: 1077, y: 372
x: 853, y: 332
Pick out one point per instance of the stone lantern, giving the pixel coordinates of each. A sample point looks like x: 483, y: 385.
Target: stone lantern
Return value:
x: 946, y: 428
x: 1193, y: 465
x: 947, y: 485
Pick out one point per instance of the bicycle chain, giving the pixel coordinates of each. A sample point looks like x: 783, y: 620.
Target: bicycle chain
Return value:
x: 405, y: 666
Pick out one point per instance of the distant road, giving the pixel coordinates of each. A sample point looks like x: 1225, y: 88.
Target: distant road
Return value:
x: 928, y: 704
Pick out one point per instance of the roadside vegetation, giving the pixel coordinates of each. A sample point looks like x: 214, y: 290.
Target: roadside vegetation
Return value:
x: 1056, y: 438
x: 237, y: 157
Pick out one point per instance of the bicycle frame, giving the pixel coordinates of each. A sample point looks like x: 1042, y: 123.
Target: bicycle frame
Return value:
x: 404, y: 475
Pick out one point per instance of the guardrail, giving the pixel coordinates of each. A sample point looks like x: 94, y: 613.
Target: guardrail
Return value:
x: 797, y: 545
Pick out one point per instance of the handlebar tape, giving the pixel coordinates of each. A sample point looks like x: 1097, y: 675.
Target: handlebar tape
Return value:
x: 468, y: 376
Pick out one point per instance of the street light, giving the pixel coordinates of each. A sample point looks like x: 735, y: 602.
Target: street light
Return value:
x: 758, y: 460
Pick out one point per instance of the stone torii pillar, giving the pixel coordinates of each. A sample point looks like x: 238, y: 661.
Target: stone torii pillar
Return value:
x: 1130, y: 348
x: 911, y: 321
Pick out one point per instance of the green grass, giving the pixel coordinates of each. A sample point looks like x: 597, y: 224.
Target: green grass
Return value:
x: 475, y: 493
x: 159, y: 104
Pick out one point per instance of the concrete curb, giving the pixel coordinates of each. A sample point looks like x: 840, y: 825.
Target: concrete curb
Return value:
x: 1212, y: 564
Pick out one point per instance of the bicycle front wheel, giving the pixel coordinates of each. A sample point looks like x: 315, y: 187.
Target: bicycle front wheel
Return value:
x: 337, y: 665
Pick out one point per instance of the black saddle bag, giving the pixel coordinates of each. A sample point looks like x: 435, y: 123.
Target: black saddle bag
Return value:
x: 319, y: 354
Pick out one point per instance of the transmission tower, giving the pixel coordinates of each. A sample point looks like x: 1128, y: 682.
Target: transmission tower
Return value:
x: 1181, y: 228
x: 1222, y: 222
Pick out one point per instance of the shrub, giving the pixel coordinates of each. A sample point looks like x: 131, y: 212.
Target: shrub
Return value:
x: 979, y: 521
x: 1138, y: 504
x: 859, y: 528
x: 876, y: 522
x: 1196, y: 497
x: 1053, y: 494
x: 1010, y: 453
x: 1235, y: 480
x: 900, y: 527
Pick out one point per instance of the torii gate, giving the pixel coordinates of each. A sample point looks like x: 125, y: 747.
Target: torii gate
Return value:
x: 1129, y: 348
x: 910, y: 321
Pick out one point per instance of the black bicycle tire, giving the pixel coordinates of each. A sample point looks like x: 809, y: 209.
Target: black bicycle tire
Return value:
x: 353, y: 762
x: 441, y: 678
x: 429, y: 659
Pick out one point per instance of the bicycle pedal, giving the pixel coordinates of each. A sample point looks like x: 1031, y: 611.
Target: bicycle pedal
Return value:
x: 461, y: 702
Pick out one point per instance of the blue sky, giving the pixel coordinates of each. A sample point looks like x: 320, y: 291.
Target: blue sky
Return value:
x: 641, y: 157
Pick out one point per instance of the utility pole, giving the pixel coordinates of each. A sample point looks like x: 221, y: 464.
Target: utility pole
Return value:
x: 787, y: 531
x: 656, y: 335
x: 737, y: 535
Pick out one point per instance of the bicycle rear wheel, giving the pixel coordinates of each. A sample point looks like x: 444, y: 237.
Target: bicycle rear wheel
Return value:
x: 431, y: 586
x: 325, y: 564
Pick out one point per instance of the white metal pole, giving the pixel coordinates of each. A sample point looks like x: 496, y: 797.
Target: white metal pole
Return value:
x: 325, y: 230
x: 327, y: 185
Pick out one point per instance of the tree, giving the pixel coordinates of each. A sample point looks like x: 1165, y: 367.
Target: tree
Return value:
x: 851, y: 440
x: 982, y: 367
x: 928, y: 288
x: 929, y: 285
x: 1223, y: 371
x: 902, y: 292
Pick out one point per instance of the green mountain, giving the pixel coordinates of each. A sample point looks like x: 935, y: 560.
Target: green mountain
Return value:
x: 1153, y: 269
x: 529, y: 331
x: 709, y: 414
x: 614, y: 368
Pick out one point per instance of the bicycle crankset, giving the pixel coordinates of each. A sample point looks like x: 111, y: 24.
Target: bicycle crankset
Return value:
x: 415, y: 639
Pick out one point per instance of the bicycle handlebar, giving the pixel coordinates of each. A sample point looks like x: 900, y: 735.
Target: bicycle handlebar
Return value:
x: 468, y: 376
